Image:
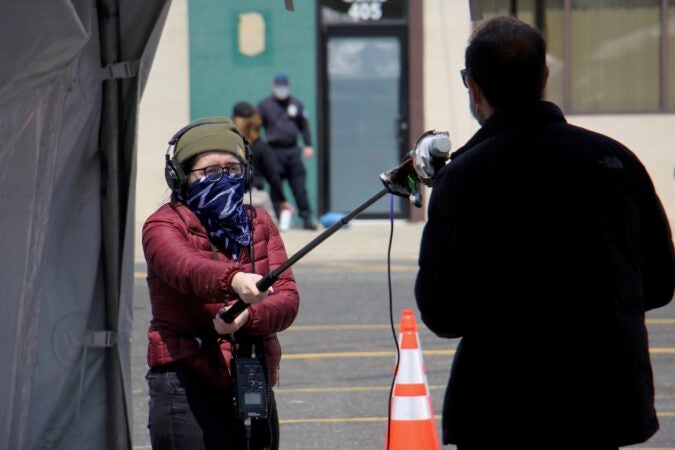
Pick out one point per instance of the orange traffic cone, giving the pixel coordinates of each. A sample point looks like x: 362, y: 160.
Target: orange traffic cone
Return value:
x: 412, y: 424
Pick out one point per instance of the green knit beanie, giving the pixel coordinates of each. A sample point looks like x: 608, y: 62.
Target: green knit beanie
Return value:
x: 210, y: 134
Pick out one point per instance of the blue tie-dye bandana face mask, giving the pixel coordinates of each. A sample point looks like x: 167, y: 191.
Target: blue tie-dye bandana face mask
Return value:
x: 220, y: 208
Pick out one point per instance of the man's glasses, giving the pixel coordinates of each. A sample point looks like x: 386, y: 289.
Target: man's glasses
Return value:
x: 464, y: 73
x: 215, y: 173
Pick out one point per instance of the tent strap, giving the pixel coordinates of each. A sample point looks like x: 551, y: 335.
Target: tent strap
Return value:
x: 100, y: 339
x: 94, y: 339
x: 123, y: 69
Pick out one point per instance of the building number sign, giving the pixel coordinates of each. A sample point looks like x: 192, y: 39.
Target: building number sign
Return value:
x: 363, y: 10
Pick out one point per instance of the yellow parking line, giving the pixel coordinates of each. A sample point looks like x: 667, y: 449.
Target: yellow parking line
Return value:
x: 368, y: 269
x: 338, y: 327
x: 328, y: 355
x: 355, y: 267
x: 661, y: 350
x: 339, y: 389
x: 386, y: 326
x: 329, y: 389
x: 383, y: 353
x: 334, y: 268
x: 381, y: 419
x: 391, y: 353
x: 660, y: 321
x: 332, y: 420
x: 338, y: 420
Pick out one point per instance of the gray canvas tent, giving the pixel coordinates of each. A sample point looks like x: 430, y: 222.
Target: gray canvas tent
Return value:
x: 71, y: 76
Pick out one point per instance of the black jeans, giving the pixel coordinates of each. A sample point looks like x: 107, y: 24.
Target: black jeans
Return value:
x: 187, y: 413
x: 292, y: 168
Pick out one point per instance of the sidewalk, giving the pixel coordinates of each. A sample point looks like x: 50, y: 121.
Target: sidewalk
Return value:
x: 360, y: 240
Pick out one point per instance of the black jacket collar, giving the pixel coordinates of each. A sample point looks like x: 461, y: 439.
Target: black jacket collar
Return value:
x: 533, y: 115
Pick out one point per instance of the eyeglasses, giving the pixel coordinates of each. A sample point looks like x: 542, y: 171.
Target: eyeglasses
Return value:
x: 464, y: 73
x: 215, y: 173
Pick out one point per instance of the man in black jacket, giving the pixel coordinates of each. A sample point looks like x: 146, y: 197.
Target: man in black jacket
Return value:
x: 284, y: 118
x: 545, y: 245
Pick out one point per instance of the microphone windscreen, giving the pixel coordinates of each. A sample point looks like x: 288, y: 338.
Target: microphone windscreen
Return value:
x: 431, y: 146
x: 439, y: 144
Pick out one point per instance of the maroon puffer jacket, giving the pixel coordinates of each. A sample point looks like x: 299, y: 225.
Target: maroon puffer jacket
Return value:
x: 187, y: 279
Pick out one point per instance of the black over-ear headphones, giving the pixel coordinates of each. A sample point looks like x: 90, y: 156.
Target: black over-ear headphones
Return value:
x: 173, y: 172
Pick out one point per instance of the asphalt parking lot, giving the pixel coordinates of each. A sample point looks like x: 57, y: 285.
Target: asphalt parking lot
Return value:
x: 339, y: 355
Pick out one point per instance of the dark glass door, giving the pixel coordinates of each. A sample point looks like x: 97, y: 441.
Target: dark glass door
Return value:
x: 364, y: 122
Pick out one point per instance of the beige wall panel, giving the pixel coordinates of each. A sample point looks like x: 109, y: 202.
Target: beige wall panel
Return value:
x: 164, y: 109
x: 447, y: 27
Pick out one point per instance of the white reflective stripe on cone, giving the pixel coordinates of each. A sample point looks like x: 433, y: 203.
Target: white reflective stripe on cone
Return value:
x: 410, y: 408
x: 410, y: 369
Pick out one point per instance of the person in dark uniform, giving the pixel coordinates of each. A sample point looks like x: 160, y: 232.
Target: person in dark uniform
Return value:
x: 283, y: 118
x: 245, y: 116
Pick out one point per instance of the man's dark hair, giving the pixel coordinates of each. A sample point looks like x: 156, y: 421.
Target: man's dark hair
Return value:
x: 507, y: 59
x: 243, y: 109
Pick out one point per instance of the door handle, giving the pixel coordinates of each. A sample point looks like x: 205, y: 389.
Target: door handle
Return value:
x: 401, y: 130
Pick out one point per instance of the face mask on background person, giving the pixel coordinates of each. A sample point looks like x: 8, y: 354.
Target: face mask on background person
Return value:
x: 281, y: 92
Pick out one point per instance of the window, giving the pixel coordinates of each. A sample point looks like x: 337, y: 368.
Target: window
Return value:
x: 670, y: 45
x: 603, y: 55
